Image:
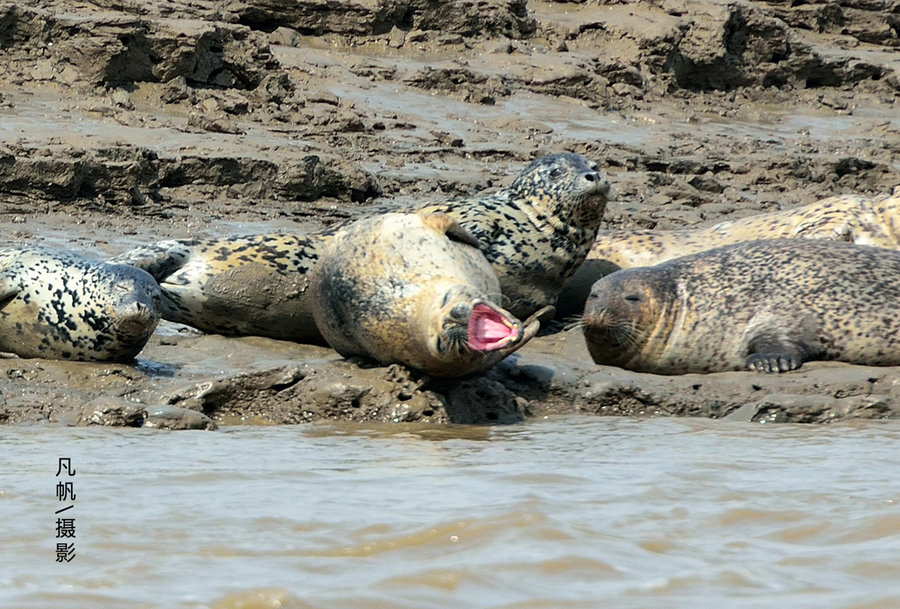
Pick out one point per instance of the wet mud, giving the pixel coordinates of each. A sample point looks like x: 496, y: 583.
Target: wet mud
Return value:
x: 125, y: 123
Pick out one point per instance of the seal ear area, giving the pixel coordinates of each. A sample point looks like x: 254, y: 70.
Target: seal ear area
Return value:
x: 443, y: 223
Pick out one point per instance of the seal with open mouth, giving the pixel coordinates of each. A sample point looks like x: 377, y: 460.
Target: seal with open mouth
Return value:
x: 56, y: 304
x: 414, y: 289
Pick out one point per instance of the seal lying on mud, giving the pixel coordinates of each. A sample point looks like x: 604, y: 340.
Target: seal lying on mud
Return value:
x: 56, y: 304
x: 413, y: 289
x: 764, y: 305
x: 238, y: 286
x: 537, y: 232
x: 851, y: 218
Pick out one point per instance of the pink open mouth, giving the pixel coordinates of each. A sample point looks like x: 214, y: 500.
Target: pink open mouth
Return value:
x: 489, y: 329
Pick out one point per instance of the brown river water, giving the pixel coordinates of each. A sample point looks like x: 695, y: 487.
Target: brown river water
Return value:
x: 567, y: 512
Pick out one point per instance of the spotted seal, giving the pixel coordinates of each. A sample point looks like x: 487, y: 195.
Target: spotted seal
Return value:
x: 413, y: 288
x: 767, y: 305
x: 536, y: 232
x: 851, y: 218
x: 56, y: 304
x: 254, y: 285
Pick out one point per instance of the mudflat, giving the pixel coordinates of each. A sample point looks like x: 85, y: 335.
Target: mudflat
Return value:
x: 123, y: 123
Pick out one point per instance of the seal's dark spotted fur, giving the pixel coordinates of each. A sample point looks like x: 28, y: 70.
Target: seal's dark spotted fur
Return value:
x: 768, y: 305
x: 60, y: 305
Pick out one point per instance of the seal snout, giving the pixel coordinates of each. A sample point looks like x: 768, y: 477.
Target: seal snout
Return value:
x: 138, y: 318
x: 491, y: 329
x: 594, y: 182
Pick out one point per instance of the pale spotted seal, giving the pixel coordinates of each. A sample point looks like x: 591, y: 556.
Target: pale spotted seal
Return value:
x: 236, y: 286
x: 56, y: 304
x: 851, y: 218
x: 413, y: 289
x: 536, y: 232
x: 766, y: 305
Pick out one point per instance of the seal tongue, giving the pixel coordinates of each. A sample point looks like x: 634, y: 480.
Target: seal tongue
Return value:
x: 489, y: 329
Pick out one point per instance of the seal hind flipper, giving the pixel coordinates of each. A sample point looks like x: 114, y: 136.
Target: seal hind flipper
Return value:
x: 160, y: 260
x: 443, y: 223
x: 9, y: 289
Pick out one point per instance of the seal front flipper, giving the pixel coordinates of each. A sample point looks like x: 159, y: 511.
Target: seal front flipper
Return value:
x: 443, y: 223
x: 774, y: 354
x: 773, y: 362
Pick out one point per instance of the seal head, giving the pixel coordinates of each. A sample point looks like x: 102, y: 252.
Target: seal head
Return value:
x: 565, y: 191
x: 628, y: 318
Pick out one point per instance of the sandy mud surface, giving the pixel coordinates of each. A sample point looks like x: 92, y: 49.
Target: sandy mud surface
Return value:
x: 123, y: 122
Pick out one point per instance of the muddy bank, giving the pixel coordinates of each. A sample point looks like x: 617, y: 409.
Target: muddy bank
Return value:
x: 121, y: 124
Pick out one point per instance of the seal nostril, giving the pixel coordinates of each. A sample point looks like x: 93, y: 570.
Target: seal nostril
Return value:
x: 590, y: 177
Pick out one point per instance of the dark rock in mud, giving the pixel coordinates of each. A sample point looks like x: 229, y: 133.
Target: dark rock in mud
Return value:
x: 174, y: 418
x: 118, y: 48
x: 110, y: 411
x: 115, y: 174
x: 340, y: 391
x: 373, y: 17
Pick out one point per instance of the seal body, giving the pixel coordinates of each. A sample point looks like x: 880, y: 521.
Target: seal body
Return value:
x: 413, y: 289
x: 255, y: 285
x: 56, y: 304
x: 850, y: 218
x: 536, y: 232
x: 766, y: 305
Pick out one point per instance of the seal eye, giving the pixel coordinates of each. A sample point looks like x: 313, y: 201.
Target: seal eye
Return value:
x: 556, y: 172
x: 633, y: 298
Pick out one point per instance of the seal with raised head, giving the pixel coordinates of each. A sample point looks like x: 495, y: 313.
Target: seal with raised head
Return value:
x: 237, y: 286
x: 765, y: 305
x: 414, y: 289
x: 850, y: 218
x: 536, y: 232
x: 56, y: 304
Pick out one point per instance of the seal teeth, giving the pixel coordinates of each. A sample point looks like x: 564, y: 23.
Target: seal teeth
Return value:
x: 491, y: 329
